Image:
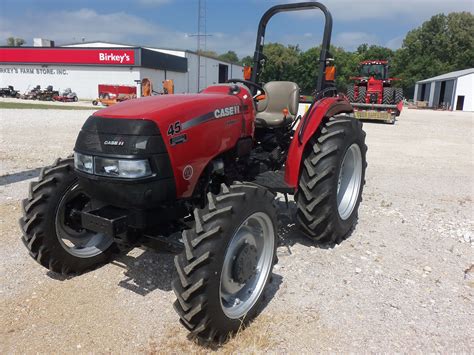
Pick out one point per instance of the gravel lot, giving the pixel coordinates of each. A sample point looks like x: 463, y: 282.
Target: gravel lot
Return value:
x: 404, y: 280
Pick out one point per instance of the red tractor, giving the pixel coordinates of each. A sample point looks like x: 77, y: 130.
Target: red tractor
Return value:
x: 373, y: 96
x: 199, y: 174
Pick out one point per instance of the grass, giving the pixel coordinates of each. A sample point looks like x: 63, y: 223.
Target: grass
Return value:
x: 21, y: 105
x: 254, y: 339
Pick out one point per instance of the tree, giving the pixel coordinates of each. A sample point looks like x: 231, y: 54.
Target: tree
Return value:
x: 366, y: 52
x: 230, y: 56
x: 15, y: 42
x: 210, y: 54
x: 247, y: 61
x: 442, y: 44
x: 281, y: 62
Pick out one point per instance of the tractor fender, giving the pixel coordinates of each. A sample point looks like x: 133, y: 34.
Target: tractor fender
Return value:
x: 309, y: 125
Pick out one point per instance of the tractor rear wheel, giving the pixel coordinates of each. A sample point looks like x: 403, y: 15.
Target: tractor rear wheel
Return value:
x: 388, y: 96
x: 227, y: 261
x: 398, y: 95
x: 332, y: 178
x: 361, y: 95
x: 350, y: 93
x: 51, y: 228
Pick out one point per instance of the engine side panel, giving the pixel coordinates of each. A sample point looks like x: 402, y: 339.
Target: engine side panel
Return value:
x: 326, y: 107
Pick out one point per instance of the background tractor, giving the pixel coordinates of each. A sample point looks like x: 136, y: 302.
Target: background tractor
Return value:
x: 373, y: 95
x: 198, y: 173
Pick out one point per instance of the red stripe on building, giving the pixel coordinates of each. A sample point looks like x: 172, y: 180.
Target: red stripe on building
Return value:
x: 67, y: 56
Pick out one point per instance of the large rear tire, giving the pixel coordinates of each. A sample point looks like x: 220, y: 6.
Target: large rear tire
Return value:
x: 52, y: 233
x: 331, y: 181
x: 350, y: 93
x: 388, y: 96
x: 227, y: 261
x: 398, y: 95
x: 361, y: 95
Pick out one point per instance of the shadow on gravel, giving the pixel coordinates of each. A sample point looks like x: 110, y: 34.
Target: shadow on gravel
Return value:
x: 149, y: 271
x: 290, y: 234
x: 20, y: 176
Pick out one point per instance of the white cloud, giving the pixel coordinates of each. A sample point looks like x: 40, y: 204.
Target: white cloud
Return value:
x: 395, y: 43
x: 110, y: 27
x: 401, y: 10
x: 154, y: 2
x: 351, y: 40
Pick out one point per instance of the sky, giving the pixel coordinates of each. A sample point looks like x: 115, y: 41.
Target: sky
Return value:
x: 231, y: 24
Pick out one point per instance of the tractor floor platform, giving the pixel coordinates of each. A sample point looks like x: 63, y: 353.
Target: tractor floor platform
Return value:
x: 274, y: 181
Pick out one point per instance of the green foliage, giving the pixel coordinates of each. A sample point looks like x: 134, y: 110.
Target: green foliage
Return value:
x: 282, y: 62
x: 210, y: 54
x: 247, y: 60
x: 442, y: 44
x: 230, y: 56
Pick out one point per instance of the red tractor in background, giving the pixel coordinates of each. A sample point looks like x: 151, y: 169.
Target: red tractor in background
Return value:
x: 373, y: 95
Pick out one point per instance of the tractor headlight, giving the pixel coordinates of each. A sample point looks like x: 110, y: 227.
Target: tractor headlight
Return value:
x: 84, y: 163
x: 129, y: 169
x: 121, y: 168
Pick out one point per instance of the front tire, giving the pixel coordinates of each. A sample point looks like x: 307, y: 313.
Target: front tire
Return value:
x: 331, y: 181
x: 51, y: 231
x: 227, y: 261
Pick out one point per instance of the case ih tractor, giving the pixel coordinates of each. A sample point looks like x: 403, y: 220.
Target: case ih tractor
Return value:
x: 373, y: 96
x: 199, y: 173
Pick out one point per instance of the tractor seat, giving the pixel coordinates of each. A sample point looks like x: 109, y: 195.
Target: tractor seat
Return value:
x: 280, y: 95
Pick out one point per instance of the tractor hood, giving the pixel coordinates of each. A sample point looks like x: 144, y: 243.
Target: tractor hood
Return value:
x: 167, y: 107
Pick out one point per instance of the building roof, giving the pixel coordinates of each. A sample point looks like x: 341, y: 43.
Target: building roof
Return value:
x: 447, y: 76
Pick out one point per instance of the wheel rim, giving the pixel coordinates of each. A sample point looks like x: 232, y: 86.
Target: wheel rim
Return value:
x: 247, y: 264
x: 74, y: 239
x: 349, y: 182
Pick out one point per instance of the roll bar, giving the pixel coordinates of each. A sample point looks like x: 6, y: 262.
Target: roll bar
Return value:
x: 309, y: 5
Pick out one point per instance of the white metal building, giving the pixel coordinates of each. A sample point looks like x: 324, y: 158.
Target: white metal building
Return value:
x: 82, y: 67
x: 453, y: 90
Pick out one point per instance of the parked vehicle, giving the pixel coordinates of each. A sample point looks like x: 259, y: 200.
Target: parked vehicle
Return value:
x: 31, y: 94
x: 111, y: 94
x: 9, y: 92
x: 66, y: 96
x: 47, y: 94
x: 199, y: 173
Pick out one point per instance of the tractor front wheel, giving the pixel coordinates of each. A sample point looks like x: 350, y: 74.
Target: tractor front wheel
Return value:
x: 332, y: 179
x: 51, y: 227
x: 227, y: 261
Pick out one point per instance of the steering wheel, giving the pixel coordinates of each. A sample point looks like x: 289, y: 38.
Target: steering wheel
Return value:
x: 248, y: 83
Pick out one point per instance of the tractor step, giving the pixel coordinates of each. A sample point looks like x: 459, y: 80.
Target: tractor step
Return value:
x: 274, y: 181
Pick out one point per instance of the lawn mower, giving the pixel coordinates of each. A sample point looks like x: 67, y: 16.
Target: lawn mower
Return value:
x: 198, y: 174
x: 47, y: 94
x: 66, y: 96
x: 373, y: 95
x: 32, y: 94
